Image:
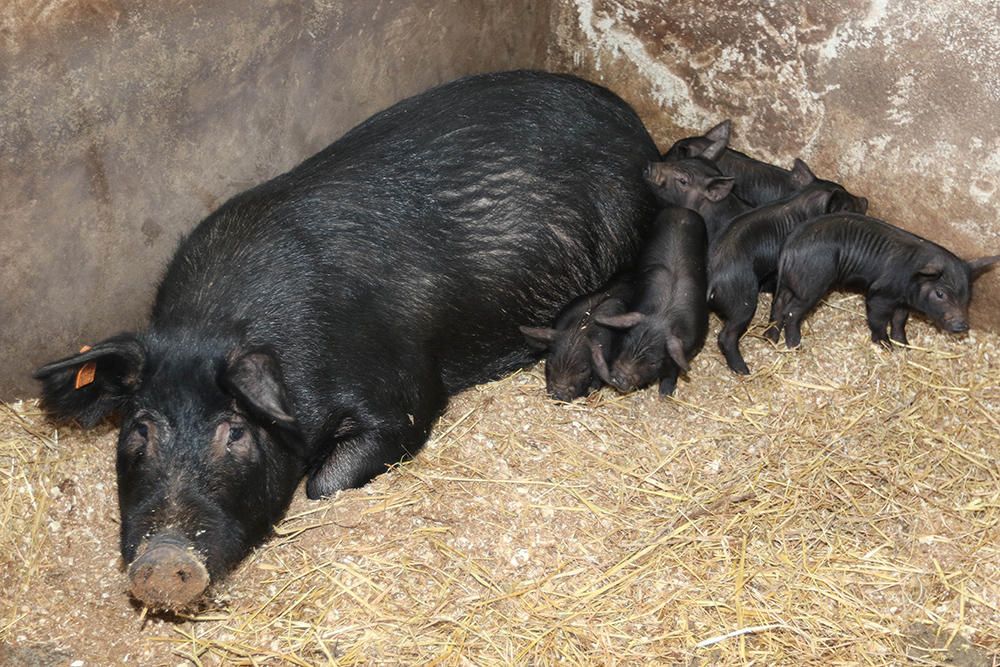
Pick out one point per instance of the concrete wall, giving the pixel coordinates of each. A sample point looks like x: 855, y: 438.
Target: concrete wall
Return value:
x: 898, y: 99
x: 124, y: 122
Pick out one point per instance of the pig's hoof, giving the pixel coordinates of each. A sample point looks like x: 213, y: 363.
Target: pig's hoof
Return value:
x: 739, y: 367
x: 167, y: 575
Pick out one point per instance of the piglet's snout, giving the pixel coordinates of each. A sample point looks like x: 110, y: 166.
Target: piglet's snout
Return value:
x: 957, y: 326
x: 168, y: 574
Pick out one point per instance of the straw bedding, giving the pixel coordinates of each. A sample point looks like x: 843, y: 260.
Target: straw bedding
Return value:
x: 839, y: 506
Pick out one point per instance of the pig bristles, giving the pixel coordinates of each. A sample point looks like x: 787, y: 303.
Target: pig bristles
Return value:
x: 839, y: 505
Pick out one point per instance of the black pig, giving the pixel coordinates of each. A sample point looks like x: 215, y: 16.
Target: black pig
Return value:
x: 569, y: 371
x: 316, y: 324
x: 744, y: 261
x: 696, y: 183
x: 898, y: 272
x: 669, y: 322
x: 755, y: 182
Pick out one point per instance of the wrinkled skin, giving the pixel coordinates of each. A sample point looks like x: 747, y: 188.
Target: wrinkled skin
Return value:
x: 897, y: 271
x: 744, y: 261
x: 315, y: 325
x: 669, y: 318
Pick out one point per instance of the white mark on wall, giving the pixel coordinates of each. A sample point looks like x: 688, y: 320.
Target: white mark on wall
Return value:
x: 900, y: 112
x: 669, y: 90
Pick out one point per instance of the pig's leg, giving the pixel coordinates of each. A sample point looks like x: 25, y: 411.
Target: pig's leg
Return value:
x: 879, y: 311
x: 801, y: 290
x: 390, y: 431
x: 899, y: 317
x: 668, y: 378
x: 794, y: 311
x: 781, y: 298
x: 737, y: 322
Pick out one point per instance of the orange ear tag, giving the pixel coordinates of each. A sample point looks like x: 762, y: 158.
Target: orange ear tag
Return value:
x: 87, y: 372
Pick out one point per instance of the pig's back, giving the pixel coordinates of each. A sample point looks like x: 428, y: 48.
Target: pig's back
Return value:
x: 455, y: 215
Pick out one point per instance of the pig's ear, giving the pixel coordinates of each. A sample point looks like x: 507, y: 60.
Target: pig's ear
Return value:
x: 721, y: 132
x: 94, y: 383
x: 675, y: 348
x: 714, y: 150
x: 623, y: 321
x: 599, y: 364
x: 539, y: 338
x: 718, y: 188
x: 932, y: 270
x: 801, y: 174
x: 838, y: 200
x: 254, y: 379
x: 982, y: 265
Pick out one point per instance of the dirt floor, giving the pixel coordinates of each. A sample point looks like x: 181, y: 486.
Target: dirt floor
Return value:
x: 840, y: 506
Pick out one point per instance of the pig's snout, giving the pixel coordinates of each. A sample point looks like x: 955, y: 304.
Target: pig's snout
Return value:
x: 956, y: 325
x: 168, y: 574
x: 564, y: 394
x: 622, y: 382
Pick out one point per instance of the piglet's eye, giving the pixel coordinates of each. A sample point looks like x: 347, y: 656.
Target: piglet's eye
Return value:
x: 236, y: 433
x: 142, y: 430
x: 939, y: 294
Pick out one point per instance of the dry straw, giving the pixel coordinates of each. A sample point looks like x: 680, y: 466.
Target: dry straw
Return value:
x: 839, y: 506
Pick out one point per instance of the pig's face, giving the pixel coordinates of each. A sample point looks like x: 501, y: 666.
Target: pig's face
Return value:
x: 641, y: 357
x: 202, y: 473
x: 941, y: 291
x: 206, y: 455
x: 568, y: 372
x: 944, y: 298
x: 687, y: 183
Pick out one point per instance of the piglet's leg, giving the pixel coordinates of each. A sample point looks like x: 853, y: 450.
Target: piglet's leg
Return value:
x: 668, y: 378
x: 879, y: 310
x: 792, y: 315
x: 736, y: 325
x: 778, y: 307
x: 899, y: 317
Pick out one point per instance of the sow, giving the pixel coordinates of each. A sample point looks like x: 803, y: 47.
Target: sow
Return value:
x: 316, y: 324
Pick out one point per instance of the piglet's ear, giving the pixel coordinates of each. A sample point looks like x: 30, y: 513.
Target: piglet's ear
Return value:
x: 714, y: 150
x: 721, y: 131
x: 932, y: 270
x: 982, y: 265
x: 623, y: 321
x: 598, y: 363
x: 94, y: 383
x: 718, y: 188
x: 254, y: 379
x: 801, y: 174
x: 539, y: 338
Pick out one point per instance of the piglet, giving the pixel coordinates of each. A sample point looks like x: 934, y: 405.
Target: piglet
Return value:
x: 744, y: 261
x: 755, y: 182
x: 575, y: 338
x: 697, y: 183
x: 897, y: 271
x: 669, y: 320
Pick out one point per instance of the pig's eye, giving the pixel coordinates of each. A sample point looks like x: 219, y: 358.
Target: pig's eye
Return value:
x: 682, y: 181
x: 236, y: 433
x: 938, y: 294
x: 139, y: 438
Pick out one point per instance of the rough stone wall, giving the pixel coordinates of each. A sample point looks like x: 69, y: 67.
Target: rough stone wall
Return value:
x: 898, y: 99
x: 124, y: 122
